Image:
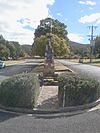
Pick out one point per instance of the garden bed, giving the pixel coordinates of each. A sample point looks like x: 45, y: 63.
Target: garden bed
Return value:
x: 76, y: 90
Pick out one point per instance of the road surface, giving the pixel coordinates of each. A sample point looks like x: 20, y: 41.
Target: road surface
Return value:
x: 11, y: 70
x: 89, y: 70
x: 82, y: 123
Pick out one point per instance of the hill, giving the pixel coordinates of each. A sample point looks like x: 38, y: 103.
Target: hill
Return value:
x: 79, y: 49
x: 27, y: 49
x: 75, y: 44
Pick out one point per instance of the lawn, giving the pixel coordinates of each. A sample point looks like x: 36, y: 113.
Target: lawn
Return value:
x: 13, y: 62
x: 96, y: 62
x: 87, y: 61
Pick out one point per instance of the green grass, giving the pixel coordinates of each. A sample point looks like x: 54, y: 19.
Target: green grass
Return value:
x: 38, y: 69
x: 95, y: 62
x: 13, y: 62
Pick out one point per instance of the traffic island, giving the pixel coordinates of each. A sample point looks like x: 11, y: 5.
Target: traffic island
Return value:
x: 54, y: 99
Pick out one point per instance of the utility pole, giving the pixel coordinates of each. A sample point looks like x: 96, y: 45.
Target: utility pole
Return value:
x: 91, y: 41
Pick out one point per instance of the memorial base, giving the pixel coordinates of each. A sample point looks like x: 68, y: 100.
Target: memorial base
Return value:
x: 49, y: 76
x: 48, y: 68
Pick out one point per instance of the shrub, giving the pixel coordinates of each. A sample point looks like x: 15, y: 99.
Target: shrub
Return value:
x: 78, y: 90
x: 20, y: 91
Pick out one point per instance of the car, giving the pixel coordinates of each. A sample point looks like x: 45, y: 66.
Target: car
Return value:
x: 2, y: 64
x: 80, y: 60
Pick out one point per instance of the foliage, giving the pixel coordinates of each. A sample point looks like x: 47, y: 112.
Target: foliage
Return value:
x: 12, y: 49
x: 58, y: 28
x: 15, y: 49
x: 59, y: 38
x: 4, y: 52
x: 97, y: 46
x: 78, y: 90
x: 27, y: 49
x: 59, y: 46
x: 38, y: 47
x: 20, y: 91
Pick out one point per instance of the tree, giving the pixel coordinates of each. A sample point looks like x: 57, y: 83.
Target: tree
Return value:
x: 27, y: 49
x: 4, y: 52
x: 59, y: 46
x: 10, y: 49
x: 2, y: 40
x: 59, y: 38
x: 15, y: 49
x: 97, y: 46
x: 38, y: 48
x: 58, y: 28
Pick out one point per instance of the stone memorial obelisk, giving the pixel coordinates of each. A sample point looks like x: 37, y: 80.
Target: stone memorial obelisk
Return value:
x: 49, y: 54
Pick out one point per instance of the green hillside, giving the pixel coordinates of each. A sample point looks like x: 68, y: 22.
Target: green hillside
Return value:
x: 79, y: 49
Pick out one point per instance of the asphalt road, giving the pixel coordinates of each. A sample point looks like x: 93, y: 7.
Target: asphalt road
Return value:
x: 88, y: 70
x: 11, y: 70
x: 82, y: 123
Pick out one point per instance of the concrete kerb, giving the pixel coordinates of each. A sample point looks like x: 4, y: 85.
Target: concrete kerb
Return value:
x: 66, y: 110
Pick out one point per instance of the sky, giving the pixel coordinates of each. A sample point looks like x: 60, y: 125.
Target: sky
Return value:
x: 20, y: 18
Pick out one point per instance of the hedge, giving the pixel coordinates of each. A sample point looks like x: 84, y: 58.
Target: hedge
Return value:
x: 20, y: 91
x: 78, y: 90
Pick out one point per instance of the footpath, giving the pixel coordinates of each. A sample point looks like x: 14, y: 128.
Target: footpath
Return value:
x: 48, y: 98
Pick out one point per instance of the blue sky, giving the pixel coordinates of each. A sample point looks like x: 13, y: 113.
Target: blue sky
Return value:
x: 73, y: 13
x: 19, y: 18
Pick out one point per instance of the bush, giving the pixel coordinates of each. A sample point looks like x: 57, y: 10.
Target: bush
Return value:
x: 78, y: 90
x: 20, y: 91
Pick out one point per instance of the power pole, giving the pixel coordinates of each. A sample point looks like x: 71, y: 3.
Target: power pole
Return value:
x: 91, y: 41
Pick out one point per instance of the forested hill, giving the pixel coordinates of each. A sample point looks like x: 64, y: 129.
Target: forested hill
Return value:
x: 75, y: 44
x: 79, y: 49
x: 27, y: 49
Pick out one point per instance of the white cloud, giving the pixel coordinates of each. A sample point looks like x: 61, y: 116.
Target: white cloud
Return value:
x: 75, y: 37
x: 90, y: 18
x: 66, y: 19
x: 90, y: 8
x: 88, y: 2
x: 16, y: 14
x: 59, y: 14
